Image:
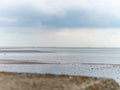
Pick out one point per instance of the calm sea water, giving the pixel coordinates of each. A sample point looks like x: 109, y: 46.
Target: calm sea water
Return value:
x: 71, y: 60
x: 65, y: 55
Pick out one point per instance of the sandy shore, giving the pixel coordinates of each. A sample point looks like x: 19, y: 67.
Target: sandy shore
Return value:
x: 28, y: 81
x: 25, y: 81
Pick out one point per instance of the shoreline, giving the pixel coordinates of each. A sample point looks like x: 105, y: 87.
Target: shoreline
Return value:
x: 25, y: 51
x: 8, y: 61
x: 29, y: 81
x: 78, y: 69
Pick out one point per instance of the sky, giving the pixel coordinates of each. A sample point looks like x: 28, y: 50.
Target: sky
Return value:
x: 60, y: 23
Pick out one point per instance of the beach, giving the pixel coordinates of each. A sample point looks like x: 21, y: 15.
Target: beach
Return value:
x: 25, y: 80
x: 27, y: 68
x: 29, y: 81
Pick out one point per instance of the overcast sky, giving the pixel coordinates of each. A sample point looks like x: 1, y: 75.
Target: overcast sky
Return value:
x: 60, y: 23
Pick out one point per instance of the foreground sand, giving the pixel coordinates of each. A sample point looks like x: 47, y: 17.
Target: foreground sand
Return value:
x: 24, y: 81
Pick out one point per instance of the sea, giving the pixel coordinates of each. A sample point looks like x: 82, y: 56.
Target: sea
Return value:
x: 95, y: 62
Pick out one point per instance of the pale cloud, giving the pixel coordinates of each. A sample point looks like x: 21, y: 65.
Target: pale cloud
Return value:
x: 63, y: 38
x: 6, y: 19
x: 62, y: 6
x: 110, y: 7
x: 31, y: 22
x: 89, y: 37
x: 61, y: 13
x: 58, y: 7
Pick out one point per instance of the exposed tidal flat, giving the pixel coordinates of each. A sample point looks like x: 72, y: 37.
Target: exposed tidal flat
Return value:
x: 93, y: 70
x: 92, y: 62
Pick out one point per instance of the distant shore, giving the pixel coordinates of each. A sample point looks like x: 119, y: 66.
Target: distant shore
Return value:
x: 12, y: 61
x: 24, y: 51
x: 21, y: 62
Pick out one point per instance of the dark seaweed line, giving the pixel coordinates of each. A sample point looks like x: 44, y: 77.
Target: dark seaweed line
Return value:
x: 24, y: 51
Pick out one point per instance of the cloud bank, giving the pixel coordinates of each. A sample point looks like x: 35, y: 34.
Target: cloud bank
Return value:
x: 64, y: 38
x: 60, y: 13
x: 77, y: 23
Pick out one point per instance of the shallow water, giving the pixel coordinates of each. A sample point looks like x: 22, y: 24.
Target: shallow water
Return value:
x: 65, y: 55
x: 107, y: 71
x: 68, y: 61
